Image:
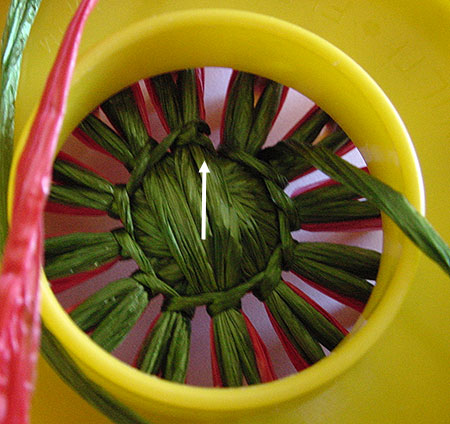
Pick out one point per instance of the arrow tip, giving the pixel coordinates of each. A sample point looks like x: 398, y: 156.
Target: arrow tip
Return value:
x: 204, y: 168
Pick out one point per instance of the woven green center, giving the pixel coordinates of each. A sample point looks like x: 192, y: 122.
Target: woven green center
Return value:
x: 162, y: 220
x: 248, y: 240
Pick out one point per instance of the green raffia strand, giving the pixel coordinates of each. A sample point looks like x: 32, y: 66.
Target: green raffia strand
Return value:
x: 286, y: 160
x: 295, y: 330
x: 20, y: 18
x: 19, y: 21
x: 334, y: 211
x: 248, y: 227
x: 333, y: 278
x: 163, y: 205
x: 168, y: 96
x: 234, y: 349
x: 113, y: 310
x: 105, y: 137
x: 331, y: 204
x: 166, y: 349
x: 239, y: 112
x: 247, y: 126
x: 358, y: 261
x: 94, y: 309
x: 388, y: 200
x: 123, y: 114
x: 321, y: 329
x: 74, y: 253
x: 111, y: 331
x: 69, y: 371
x: 321, y: 195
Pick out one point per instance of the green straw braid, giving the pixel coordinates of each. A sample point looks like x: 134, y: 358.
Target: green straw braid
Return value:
x: 248, y: 244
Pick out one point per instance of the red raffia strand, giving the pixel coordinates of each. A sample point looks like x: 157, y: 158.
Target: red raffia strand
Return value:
x: 260, y: 85
x: 340, y: 152
x: 55, y: 207
x: 353, y: 303
x: 80, y: 135
x: 200, y: 78
x: 217, y: 379
x: 354, y: 225
x: 297, y: 360
x: 338, y: 226
x: 147, y: 334
x: 19, y: 279
x: 62, y: 284
x: 319, y: 184
x: 302, y: 120
x: 140, y: 102
x: 318, y: 308
x: 265, y: 366
x: 225, y: 104
x: 157, y: 104
x: 258, y: 89
x: 283, y: 97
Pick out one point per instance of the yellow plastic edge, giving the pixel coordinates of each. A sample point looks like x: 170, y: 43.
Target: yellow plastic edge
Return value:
x: 408, y: 33
x: 343, y: 87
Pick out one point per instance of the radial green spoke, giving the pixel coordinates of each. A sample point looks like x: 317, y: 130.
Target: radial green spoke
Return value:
x: 122, y: 111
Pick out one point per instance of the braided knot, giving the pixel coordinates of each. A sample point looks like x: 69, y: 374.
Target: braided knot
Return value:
x: 262, y: 284
x: 274, y: 181
x: 122, y: 207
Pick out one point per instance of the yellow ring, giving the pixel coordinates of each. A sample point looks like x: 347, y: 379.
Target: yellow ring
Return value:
x: 297, y: 58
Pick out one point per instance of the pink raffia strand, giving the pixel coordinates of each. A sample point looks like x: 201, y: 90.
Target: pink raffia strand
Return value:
x: 19, y: 279
x: 357, y: 305
x: 263, y: 361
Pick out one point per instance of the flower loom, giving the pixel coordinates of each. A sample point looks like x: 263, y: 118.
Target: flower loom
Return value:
x: 248, y: 243
x: 185, y: 241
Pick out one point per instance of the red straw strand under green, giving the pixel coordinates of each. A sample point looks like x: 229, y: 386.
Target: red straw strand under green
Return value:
x: 19, y: 321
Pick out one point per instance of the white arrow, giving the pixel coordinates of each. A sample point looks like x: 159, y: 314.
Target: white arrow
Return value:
x: 203, y: 170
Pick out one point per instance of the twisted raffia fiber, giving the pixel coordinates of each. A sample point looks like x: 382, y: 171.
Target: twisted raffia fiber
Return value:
x: 248, y: 245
